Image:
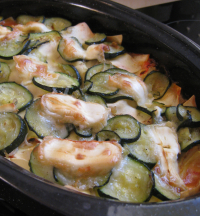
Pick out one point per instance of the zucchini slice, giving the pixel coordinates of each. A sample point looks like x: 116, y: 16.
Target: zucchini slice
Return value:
x: 106, y: 135
x: 130, y: 181
x: 23, y: 19
x: 96, y: 69
x: 171, y: 115
x: 195, y: 115
x: 64, y: 178
x: 11, y: 92
x: 44, y: 171
x: 158, y: 82
x: 119, y: 96
x: 87, y: 85
x: 42, y: 125
x: 37, y: 39
x: 150, y: 110
x: 100, y: 85
x: 119, y: 71
x: 4, y: 72
x: 164, y: 191
x: 12, y: 132
x: 71, y: 49
x: 71, y: 71
x: 188, y: 138
x: 127, y: 127
x: 143, y: 149
x: 83, y: 132
x: 95, y: 99
x: 113, y: 50
x: 57, y: 23
x: 97, y: 39
x: 14, y: 46
x: 59, y: 84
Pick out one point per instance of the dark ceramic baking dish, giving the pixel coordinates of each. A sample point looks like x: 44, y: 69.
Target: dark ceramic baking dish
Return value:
x: 142, y: 34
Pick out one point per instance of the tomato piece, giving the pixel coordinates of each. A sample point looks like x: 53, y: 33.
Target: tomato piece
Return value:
x: 189, y: 166
x: 8, y: 22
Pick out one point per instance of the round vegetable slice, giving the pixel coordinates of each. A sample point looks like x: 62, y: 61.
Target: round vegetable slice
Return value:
x: 57, y: 23
x: 11, y: 92
x: 127, y: 127
x: 4, y: 72
x: 158, y: 83
x: 12, y: 132
x: 97, y: 39
x: 100, y: 85
x: 60, y: 83
x: 130, y: 181
x: 42, y: 125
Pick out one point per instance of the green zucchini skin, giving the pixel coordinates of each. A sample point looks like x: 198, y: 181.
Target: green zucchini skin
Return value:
x: 23, y: 19
x: 96, y: 69
x: 18, y: 91
x: 41, y: 125
x: 117, y: 124
x: 160, y: 83
x: 63, y: 178
x: 113, y: 51
x: 71, y: 71
x: 57, y: 23
x: 188, y: 138
x: 163, y: 193
x: 4, y: 72
x: 69, y: 86
x: 95, y: 99
x: 97, y: 39
x: 83, y: 133
x: 20, y: 50
x: 20, y: 136
x: 100, y: 86
x: 115, y: 188
x: 62, y: 54
x: 44, y: 171
x: 106, y: 135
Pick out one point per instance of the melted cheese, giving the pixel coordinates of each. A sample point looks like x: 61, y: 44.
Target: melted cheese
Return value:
x: 80, y: 158
x: 66, y: 109
x: 131, y: 85
x: 166, y: 149
x: 32, y: 27
x: 81, y: 31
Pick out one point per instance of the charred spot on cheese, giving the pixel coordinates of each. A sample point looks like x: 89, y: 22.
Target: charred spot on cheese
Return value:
x: 29, y: 67
x: 66, y: 109
x: 64, y: 154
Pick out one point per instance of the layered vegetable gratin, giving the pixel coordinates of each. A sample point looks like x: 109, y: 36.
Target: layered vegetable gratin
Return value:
x: 78, y: 110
